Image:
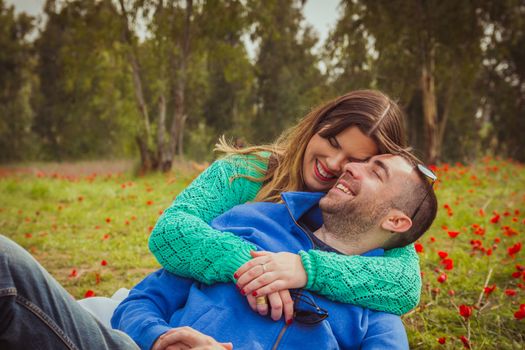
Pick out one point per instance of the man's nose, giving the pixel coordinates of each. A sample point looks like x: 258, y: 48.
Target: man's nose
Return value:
x: 355, y: 169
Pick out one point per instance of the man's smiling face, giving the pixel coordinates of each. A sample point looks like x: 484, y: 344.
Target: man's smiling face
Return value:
x: 363, y: 194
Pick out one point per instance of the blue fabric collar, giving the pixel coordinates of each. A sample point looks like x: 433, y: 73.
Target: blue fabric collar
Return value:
x: 307, y: 203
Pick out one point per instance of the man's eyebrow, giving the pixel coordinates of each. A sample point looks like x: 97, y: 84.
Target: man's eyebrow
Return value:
x: 382, y: 165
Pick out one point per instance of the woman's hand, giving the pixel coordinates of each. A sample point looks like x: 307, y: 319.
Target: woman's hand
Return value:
x: 278, y: 303
x: 188, y: 338
x: 268, y: 273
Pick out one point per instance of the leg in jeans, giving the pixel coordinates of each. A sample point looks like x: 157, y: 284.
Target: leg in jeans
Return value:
x: 37, y: 313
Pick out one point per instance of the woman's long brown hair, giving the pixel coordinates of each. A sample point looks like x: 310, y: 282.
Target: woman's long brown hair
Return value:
x: 374, y: 113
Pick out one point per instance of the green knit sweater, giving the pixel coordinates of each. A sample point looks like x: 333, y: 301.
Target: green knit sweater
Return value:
x: 185, y: 244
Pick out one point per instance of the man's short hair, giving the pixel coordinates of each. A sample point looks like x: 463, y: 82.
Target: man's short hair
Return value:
x: 414, y: 193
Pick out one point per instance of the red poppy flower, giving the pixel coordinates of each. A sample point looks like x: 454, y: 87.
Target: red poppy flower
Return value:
x: 73, y: 273
x: 442, y: 278
x: 495, y: 219
x: 451, y: 292
x: 465, y: 311
x: 514, y: 249
x: 489, y: 289
x: 103, y: 263
x: 442, y: 254
x: 149, y: 202
x: 108, y: 220
x: 465, y: 341
x: 419, y: 247
x: 89, y: 294
x: 448, y: 264
x: 442, y: 340
x: 520, y: 314
x: 510, y: 292
x: 453, y: 234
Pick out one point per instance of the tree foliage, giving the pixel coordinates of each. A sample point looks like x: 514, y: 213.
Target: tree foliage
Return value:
x: 15, y: 84
x: 159, y: 79
x: 83, y: 104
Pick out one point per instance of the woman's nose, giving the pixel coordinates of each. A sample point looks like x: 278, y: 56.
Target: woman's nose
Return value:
x: 336, y: 163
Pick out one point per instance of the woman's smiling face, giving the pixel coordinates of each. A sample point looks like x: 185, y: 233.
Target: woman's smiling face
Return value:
x: 324, y: 159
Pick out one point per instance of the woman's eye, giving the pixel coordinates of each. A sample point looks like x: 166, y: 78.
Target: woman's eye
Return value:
x: 377, y: 174
x: 355, y: 160
x: 333, y: 142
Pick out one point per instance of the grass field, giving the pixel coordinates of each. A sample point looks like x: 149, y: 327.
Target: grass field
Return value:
x: 90, y: 231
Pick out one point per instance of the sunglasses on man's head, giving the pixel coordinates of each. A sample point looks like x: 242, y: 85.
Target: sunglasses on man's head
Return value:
x: 431, y: 178
x: 306, y: 311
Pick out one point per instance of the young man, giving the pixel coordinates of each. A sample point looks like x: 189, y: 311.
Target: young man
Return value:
x: 368, y: 210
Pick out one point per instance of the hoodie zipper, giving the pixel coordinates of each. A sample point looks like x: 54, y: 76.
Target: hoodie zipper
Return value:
x: 283, y: 330
x: 298, y: 225
x: 280, y: 336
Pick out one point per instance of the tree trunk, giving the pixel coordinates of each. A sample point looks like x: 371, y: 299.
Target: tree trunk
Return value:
x: 180, y: 137
x: 429, y: 104
x: 179, y: 116
x: 148, y: 159
x: 163, y: 154
x: 442, y: 124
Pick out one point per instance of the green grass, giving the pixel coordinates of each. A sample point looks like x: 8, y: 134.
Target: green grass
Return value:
x: 63, y: 222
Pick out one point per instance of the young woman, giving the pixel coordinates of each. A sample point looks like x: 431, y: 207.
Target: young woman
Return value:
x: 308, y: 157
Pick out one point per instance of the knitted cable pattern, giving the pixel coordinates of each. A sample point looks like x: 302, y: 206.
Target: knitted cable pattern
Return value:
x: 391, y: 283
x: 185, y: 244
x: 182, y: 240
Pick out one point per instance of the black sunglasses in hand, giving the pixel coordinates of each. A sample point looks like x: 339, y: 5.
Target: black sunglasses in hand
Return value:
x: 306, y: 311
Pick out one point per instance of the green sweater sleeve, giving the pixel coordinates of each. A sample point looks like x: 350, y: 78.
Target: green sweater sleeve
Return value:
x: 391, y: 283
x: 183, y: 241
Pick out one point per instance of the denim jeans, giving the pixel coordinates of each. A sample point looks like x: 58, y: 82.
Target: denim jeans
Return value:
x: 37, y: 313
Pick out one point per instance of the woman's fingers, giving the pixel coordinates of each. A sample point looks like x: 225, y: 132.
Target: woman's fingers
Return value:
x: 247, y: 268
x: 258, y: 253
x: 264, y: 280
x: 261, y: 304
x: 270, y: 288
x: 267, y: 268
x: 276, y: 305
x: 252, y: 301
x: 252, y: 274
x: 287, y: 305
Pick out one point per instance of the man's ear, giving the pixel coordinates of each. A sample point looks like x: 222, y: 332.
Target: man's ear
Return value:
x: 396, y: 221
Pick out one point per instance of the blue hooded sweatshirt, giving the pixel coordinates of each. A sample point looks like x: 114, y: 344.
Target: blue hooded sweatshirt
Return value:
x: 163, y: 301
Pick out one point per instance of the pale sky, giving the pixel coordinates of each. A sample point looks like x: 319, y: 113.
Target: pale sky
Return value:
x: 321, y: 14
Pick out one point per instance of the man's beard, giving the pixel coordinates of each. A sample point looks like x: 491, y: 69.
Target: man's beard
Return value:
x: 348, y: 220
